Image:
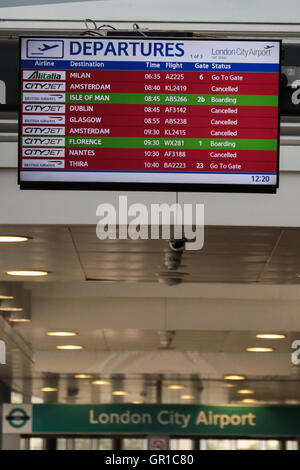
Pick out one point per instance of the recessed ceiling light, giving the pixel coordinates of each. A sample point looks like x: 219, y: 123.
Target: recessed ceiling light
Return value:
x: 175, y: 387
x: 48, y: 389
x: 249, y: 400
x: 27, y: 273
x: 11, y: 309
x: 19, y: 310
x: 69, y: 347
x: 245, y: 392
x: 228, y: 386
x: 61, y: 333
x: 119, y: 393
x: 101, y: 382
x: 8, y: 290
x: 234, y: 377
x: 187, y: 397
x: 83, y: 376
x: 12, y: 239
x: 259, y: 349
x: 270, y: 336
x: 136, y: 402
x: 19, y: 320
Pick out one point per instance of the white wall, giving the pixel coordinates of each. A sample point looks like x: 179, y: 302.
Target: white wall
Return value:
x: 215, y: 307
x: 79, y: 207
x: 164, y: 10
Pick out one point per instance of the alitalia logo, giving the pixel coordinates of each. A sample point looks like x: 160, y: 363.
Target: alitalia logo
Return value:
x: 43, y: 75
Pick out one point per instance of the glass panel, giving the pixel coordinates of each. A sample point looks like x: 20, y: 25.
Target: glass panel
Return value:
x: 105, y: 444
x: 24, y: 443
x: 181, y: 444
x: 82, y: 444
x: 16, y: 397
x: 134, y: 444
x: 291, y: 445
x: 37, y: 400
x: 272, y: 445
x: 36, y: 443
x: 61, y: 443
x: 248, y: 444
x: 217, y: 444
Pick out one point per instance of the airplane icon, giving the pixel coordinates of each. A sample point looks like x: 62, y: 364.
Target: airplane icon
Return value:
x: 46, y: 47
x: 268, y: 47
x: 53, y: 49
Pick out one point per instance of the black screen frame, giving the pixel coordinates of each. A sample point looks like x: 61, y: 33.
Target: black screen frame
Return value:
x: 144, y: 186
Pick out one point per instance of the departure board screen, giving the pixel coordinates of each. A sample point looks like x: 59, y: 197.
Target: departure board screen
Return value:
x: 149, y: 114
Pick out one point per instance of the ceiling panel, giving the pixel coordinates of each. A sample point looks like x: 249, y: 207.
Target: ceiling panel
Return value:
x: 230, y: 254
x: 132, y: 339
x: 49, y: 248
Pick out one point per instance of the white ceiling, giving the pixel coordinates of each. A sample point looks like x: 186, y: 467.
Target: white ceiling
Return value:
x: 268, y: 255
x: 243, y: 282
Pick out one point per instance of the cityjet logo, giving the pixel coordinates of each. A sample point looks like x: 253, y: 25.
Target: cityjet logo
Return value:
x: 44, y: 86
x: 44, y: 108
x: 32, y: 130
x: 34, y: 152
x: 137, y: 221
x: 44, y: 141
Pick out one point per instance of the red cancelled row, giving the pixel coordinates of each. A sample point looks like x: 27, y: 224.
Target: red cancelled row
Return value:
x: 142, y: 87
x: 219, y: 112
x: 78, y: 121
x: 219, y: 132
x: 226, y: 155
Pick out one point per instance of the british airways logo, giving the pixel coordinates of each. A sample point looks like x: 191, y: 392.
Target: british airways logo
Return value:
x: 46, y: 97
x: 43, y: 119
x: 43, y: 163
